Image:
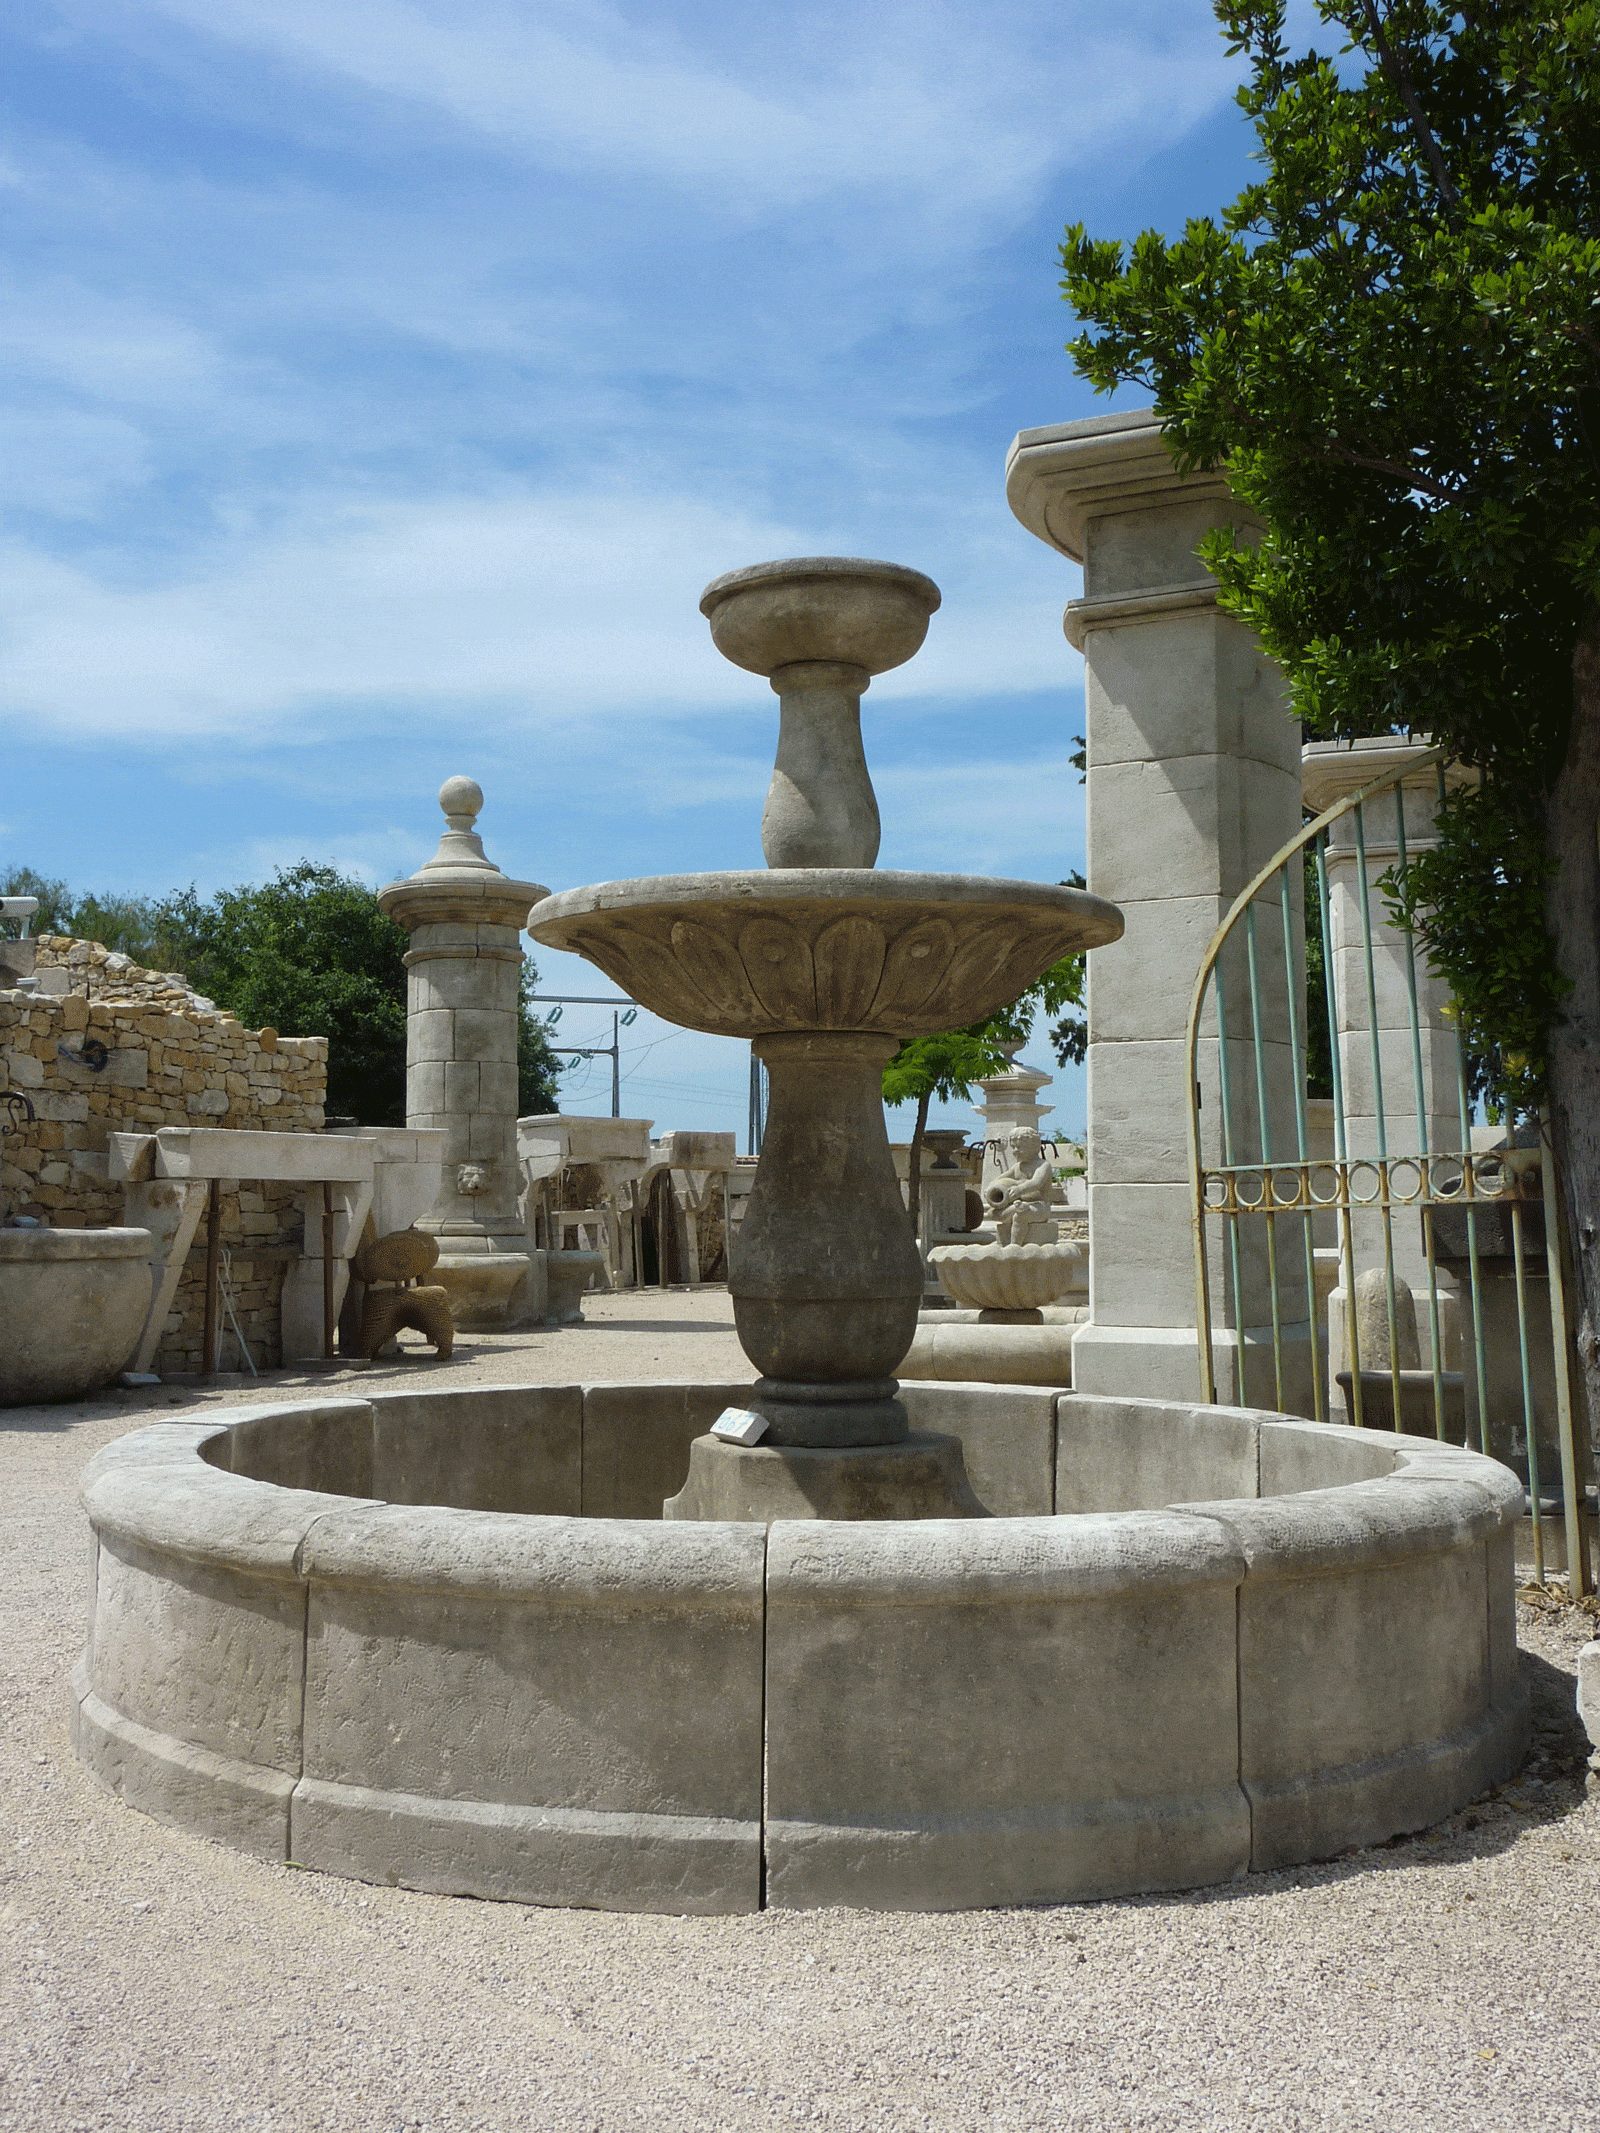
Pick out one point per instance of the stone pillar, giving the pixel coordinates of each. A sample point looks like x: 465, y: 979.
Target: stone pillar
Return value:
x: 465, y: 918
x: 1193, y: 783
x: 1010, y: 1099
x: 1332, y: 770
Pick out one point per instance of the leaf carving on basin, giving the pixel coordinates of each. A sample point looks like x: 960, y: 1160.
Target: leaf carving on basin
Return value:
x: 778, y: 963
x: 829, y: 948
x: 711, y: 965
x: 849, y: 958
x: 980, y: 967
x: 916, y: 963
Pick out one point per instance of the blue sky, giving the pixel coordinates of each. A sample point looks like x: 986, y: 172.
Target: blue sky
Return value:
x: 389, y: 377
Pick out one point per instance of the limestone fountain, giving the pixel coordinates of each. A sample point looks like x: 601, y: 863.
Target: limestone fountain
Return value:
x: 825, y: 965
x: 924, y: 1645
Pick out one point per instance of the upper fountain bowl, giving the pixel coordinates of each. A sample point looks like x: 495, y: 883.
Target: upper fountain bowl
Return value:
x: 823, y: 948
x: 836, y: 608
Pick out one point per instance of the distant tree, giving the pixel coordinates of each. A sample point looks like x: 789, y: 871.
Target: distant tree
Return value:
x: 130, y: 924
x: 947, y: 1065
x: 310, y: 953
x: 537, y: 1065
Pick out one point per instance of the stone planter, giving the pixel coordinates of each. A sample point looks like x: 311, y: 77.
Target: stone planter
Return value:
x: 1008, y: 1282
x: 569, y: 1275
x: 72, y: 1304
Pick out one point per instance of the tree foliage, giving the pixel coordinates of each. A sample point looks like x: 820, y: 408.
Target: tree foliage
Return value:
x: 132, y: 925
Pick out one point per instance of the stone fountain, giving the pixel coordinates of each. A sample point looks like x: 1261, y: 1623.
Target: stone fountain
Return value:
x: 824, y: 964
x: 449, y: 1640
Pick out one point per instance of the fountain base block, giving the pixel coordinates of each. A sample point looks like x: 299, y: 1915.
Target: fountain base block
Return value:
x: 924, y: 1476
x: 859, y: 1411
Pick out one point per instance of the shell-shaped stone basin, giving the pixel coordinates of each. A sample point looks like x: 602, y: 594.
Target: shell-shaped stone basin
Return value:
x: 1007, y: 1277
x: 816, y: 948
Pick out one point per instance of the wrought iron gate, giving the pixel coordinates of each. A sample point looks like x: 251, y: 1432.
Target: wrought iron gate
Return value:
x: 1261, y: 1191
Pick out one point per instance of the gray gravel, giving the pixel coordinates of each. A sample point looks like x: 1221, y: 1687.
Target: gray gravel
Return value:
x: 151, y: 1980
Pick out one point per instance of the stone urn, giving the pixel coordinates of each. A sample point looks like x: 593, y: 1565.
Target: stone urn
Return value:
x: 1008, y: 1284
x: 823, y: 964
x: 73, y: 1303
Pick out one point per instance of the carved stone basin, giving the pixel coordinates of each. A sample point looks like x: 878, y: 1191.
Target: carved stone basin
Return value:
x: 841, y: 609
x: 1007, y: 1281
x: 823, y: 948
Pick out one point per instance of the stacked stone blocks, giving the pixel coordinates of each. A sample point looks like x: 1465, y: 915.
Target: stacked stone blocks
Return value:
x: 171, y: 1061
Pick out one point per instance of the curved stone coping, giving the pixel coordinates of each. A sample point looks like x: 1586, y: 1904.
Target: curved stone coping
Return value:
x: 624, y: 1712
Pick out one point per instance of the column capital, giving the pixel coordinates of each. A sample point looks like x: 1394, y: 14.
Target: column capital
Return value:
x: 1332, y: 770
x: 1062, y: 477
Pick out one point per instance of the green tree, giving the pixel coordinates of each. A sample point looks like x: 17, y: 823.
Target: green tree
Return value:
x: 129, y: 924
x: 947, y: 1065
x: 1392, y: 340
x: 308, y: 954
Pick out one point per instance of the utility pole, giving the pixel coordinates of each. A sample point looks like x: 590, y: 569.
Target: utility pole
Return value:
x: 611, y: 1051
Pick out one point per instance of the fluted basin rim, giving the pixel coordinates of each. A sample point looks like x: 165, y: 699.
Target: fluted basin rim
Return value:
x: 823, y: 948
x: 1008, y: 1277
x: 1103, y: 922
x: 819, y: 569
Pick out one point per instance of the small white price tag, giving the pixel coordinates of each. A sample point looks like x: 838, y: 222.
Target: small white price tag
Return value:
x: 739, y: 1426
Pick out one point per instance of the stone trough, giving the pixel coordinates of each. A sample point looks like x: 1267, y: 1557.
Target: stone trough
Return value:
x: 446, y: 1640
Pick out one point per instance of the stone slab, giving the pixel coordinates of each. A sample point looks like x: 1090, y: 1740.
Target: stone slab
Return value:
x: 992, y: 1354
x: 516, y: 1648
x: 636, y: 1441
x: 882, y: 1640
x: 680, y: 1864
x: 173, y: 1781
x: 491, y: 1448
x: 1007, y: 1433
x: 919, y: 1477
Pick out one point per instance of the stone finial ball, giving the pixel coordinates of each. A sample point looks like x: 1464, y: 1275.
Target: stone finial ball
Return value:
x: 461, y: 796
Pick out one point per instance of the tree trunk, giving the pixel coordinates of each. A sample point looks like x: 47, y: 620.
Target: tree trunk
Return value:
x: 1572, y: 908
x: 914, y: 1167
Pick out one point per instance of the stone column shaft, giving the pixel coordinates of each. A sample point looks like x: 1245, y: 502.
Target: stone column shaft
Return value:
x: 465, y: 920
x: 1193, y: 783
x: 1332, y: 770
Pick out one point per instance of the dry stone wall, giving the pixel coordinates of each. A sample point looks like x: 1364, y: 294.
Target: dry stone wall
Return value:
x: 170, y: 1059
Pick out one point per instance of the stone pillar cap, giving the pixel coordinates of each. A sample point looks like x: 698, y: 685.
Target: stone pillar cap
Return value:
x: 460, y: 869
x: 1061, y: 476
x: 1330, y: 770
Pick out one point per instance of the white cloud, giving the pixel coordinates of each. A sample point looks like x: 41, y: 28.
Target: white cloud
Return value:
x: 533, y: 610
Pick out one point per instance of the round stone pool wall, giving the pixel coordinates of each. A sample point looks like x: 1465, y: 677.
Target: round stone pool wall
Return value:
x: 446, y: 1640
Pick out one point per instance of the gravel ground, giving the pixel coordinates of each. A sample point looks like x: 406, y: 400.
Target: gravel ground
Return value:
x: 154, y: 1981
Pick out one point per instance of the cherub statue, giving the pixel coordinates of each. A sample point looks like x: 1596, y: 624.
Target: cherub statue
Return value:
x: 1019, y: 1199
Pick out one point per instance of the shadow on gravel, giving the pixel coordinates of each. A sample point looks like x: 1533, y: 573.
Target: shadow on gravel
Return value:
x: 34, y: 1421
